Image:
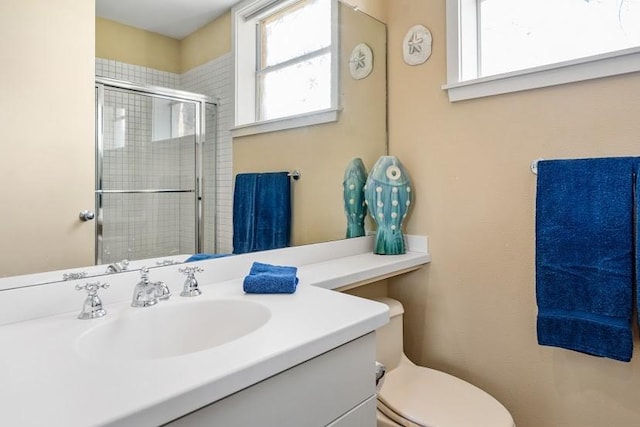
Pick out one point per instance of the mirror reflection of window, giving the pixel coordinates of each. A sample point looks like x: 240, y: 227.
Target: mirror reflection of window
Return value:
x: 183, y: 120
x: 294, y: 60
x: 115, y: 126
x: 172, y: 119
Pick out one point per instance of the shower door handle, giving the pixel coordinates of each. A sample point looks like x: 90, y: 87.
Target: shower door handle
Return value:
x: 86, y: 215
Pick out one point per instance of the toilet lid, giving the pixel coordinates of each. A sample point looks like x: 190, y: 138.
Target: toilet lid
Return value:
x: 431, y: 398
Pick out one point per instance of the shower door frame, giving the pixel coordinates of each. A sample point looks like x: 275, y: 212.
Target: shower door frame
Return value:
x: 200, y: 102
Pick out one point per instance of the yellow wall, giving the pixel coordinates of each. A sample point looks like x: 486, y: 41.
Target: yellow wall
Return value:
x: 206, y: 44
x: 472, y: 312
x: 131, y: 45
x: 47, y: 133
x: 322, y: 152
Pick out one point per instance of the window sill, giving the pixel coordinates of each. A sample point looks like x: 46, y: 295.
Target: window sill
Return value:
x: 593, y: 67
x: 291, y: 122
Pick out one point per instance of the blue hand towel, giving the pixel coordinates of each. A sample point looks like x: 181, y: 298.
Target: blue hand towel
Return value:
x: 261, y: 212
x: 584, y: 255
x: 204, y: 256
x: 270, y: 279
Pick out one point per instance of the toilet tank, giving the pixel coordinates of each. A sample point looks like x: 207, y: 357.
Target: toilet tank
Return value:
x: 389, y: 343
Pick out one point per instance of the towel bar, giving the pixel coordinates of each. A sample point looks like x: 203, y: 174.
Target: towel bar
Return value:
x: 534, y: 166
x: 295, y: 175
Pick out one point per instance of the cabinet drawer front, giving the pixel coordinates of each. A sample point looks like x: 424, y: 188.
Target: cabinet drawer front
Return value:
x: 363, y: 415
x: 314, y: 393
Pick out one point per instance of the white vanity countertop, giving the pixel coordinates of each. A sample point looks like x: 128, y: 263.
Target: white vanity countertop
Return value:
x: 45, y: 381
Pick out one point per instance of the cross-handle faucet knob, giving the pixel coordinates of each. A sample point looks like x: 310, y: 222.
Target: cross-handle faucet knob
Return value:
x: 92, y: 306
x: 191, y: 288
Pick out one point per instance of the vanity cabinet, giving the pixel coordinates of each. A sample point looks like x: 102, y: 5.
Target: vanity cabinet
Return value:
x: 335, y: 389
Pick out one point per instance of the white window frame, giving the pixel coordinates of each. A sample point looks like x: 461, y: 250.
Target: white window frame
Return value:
x: 245, y: 16
x: 462, y: 62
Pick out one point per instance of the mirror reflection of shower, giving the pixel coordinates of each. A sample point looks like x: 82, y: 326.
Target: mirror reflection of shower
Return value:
x: 155, y: 157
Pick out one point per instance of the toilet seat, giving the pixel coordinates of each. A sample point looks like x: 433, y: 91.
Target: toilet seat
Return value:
x: 390, y: 418
x: 415, y: 396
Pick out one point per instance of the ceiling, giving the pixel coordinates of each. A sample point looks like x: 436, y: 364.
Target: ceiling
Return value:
x: 173, y: 18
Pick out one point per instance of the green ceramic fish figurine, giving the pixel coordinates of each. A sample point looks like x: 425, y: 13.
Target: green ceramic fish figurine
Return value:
x: 354, y: 207
x: 388, y: 194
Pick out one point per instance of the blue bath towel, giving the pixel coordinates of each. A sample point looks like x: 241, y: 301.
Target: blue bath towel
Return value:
x: 261, y: 212
x: 270, y: 279
x: 584, y: 255
x: 636, y: 198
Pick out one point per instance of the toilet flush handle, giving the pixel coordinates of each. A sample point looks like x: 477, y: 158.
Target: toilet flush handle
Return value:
x: 380, y: 372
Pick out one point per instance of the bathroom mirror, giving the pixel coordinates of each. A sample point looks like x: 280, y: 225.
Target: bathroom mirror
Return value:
x: 320, y: 153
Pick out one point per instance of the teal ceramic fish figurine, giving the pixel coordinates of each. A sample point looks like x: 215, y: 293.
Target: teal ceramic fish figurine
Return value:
x: 355, y: 209
x: 388, y: 195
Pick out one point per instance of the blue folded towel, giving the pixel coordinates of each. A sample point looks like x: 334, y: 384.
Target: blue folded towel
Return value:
x: 204, y: 256
x: 584, y: 255
x: 270, y: 279
x: 259, y: 267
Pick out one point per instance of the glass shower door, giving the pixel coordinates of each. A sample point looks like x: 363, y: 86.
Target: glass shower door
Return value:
x: 147, y: 159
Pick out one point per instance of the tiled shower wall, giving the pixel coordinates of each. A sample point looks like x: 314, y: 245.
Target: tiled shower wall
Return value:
x: 212, y: 79
x: 136, y: 74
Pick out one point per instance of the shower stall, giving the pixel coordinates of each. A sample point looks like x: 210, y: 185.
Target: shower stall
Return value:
x: 155, y: 168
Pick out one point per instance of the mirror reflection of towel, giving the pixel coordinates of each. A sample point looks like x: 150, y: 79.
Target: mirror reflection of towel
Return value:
x: 261, y: 212
x: 585, y: 255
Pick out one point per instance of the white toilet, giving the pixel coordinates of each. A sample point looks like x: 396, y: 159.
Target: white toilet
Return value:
x: 412, y: 395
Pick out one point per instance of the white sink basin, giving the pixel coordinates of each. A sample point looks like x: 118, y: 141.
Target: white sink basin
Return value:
x: 168, y: 330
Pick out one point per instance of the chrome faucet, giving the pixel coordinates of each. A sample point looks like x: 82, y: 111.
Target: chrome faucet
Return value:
x: 147, y: 293
x: 191, y: 288
x: 92, y: 306
x: 118, y: 267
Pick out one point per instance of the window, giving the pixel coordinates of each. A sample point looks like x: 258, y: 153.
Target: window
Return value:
x: 285, y: 64
x: 498, y: 46
x: 172, y: 119
x: 519, y: 34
